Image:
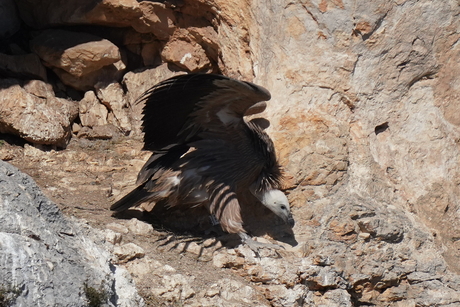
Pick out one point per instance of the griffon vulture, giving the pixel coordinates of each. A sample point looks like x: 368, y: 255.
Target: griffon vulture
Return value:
x: 205, y: 153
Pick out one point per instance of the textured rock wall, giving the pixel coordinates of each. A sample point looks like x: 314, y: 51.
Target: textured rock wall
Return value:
x: 367, y: 90
x: 364, y: 114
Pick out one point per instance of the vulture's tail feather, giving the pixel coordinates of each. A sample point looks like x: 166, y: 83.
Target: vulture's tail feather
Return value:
x: 132, y: 199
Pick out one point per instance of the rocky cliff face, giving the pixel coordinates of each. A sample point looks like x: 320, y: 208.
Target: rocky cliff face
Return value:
x: 364, y: 115
x: 47, y: 259
x: 370, y: 102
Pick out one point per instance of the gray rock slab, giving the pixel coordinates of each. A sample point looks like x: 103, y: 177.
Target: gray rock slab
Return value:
x: 47, y: 259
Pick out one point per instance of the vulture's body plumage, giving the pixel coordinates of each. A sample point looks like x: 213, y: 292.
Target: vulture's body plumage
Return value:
x: 205, y: 153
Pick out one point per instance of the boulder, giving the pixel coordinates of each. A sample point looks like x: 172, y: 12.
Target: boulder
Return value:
x: 47, y: 259
x: 76, y: 53
x: 106, y: 74
x: 30, y: 110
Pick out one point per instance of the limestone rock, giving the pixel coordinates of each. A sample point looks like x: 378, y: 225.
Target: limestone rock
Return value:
x: 31, y: 111
x: 92, y: 113
x: 137, y: 82
x: 127, y: 252
x: 47, y: 259
x: 173, y: 288
x: 76, y: 53
x: 333, y: 298
x: 208, y: 39
x: 138, y: 227
x: 169, y: 283
x: 279, y: 295
x: 113, y: 97
x: 113, y: 237
x: 371, y: 270
x: 371, y: 106
x: 117, y: 228
x: 151, y: 53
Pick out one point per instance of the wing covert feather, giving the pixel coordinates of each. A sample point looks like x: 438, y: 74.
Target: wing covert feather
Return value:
x: 178, y: 109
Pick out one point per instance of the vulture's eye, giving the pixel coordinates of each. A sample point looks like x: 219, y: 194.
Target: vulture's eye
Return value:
x: 283, y: 207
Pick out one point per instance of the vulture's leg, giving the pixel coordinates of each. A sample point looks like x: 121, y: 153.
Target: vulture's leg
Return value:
x: 215, y: 228
x: 254, y: 245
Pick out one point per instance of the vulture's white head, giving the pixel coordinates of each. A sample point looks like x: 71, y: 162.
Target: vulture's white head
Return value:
x: 277, y: 202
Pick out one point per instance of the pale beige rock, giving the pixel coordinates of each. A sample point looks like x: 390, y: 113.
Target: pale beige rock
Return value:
x: 140, y: 228
x: 33, y: 153
x: 75, y: 128
x: 34, y: 113
x: 113, y: 237
x: 76, y: 53
x: 145, y: 267
x: 6, y: 154
x: 279, y: 295
x: 175, y: 287
x: 127, y: 252
x: 333, y: 298
x: 236, y: 29
x: 208, y: 39
x: 234, y: 291
x: 113, y: 97
x: 92, y: 112
x: 224, y: 260
x: 39, y: 89
x: 370, y: 104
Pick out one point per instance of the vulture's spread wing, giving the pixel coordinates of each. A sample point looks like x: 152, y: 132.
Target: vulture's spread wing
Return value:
x: 177, y: 110
x: 205, y: 153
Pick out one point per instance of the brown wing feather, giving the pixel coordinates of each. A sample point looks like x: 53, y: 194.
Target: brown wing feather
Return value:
x: 180, y: 108
x: 224, y: 205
